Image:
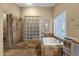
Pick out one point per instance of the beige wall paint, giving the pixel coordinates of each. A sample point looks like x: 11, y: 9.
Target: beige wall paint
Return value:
x: 38, y: 12
x: 10, y: 8
x: 72, y: 13
x: 6, y: 8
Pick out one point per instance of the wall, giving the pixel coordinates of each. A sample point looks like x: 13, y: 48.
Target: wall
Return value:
x: 10, y: 8
x: 7, y: 8
x: 72, y: 13
x: 38, y: 12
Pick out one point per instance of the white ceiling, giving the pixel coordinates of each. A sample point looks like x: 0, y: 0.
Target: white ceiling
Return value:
x: 36, y: 5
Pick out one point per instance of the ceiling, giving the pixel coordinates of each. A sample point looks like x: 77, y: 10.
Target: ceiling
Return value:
x: 36, y: 4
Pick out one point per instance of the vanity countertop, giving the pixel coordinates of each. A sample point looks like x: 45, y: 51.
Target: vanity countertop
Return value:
x: 75, y: 41
x: 69, y: 40
x: 72, y: 40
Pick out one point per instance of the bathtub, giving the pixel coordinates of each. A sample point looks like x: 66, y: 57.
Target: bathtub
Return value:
x: 51, y: 41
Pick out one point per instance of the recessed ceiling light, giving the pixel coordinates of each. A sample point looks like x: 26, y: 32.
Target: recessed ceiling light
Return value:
x: 29, y: 4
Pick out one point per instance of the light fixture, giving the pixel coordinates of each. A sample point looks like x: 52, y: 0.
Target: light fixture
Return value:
x: 29, y: 4
x: 46, y: 24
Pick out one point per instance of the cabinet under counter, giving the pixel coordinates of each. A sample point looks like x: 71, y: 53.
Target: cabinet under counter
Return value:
x: 70, y: 47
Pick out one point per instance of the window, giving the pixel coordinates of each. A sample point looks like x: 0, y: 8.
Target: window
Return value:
x: 60, y: 25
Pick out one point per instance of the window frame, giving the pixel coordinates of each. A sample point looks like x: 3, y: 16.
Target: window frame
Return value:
x: 63, y: 13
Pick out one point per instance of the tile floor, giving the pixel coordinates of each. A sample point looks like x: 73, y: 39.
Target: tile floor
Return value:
x: 33, y: 49
x: 21, y: 52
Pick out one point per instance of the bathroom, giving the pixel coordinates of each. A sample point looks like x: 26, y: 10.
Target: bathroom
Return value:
x: 39, y: 29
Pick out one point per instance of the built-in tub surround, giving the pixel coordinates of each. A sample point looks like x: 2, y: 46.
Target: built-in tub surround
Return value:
x: 51, y: 41
x: 51, y: 47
